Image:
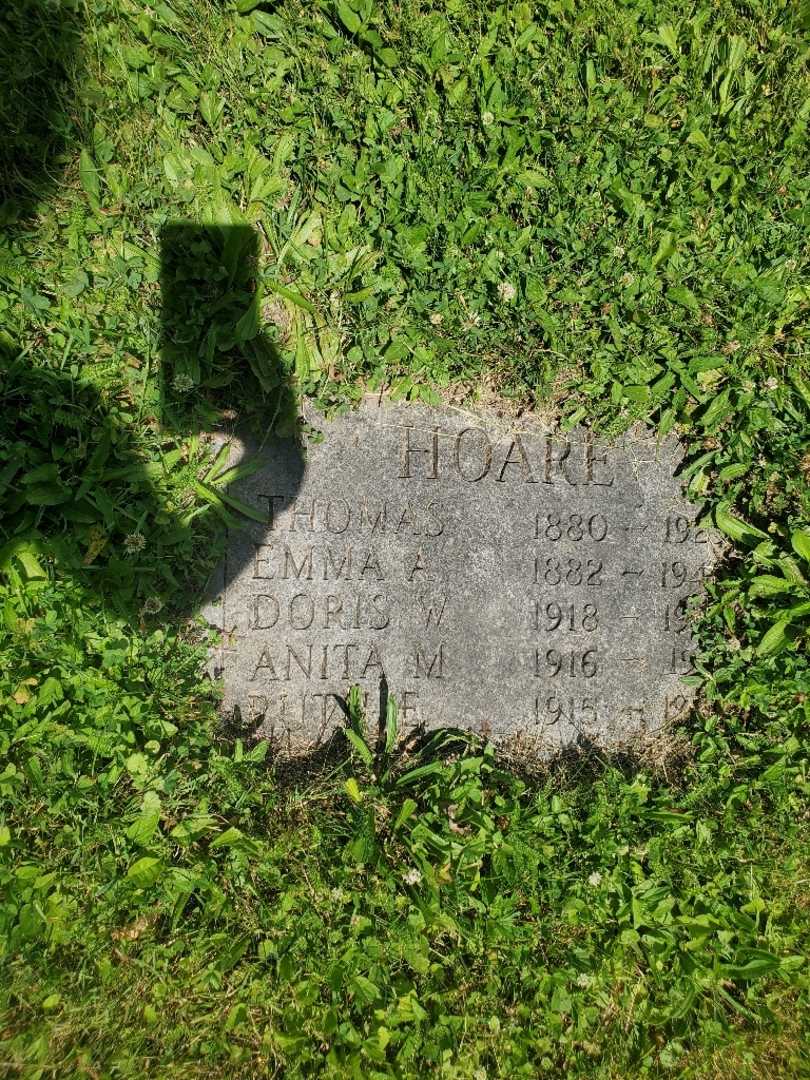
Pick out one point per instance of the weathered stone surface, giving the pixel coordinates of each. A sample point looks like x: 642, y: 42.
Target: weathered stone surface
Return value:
x: 520, y: 584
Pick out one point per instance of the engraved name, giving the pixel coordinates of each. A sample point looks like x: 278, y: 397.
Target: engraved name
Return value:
x: 471, y: 456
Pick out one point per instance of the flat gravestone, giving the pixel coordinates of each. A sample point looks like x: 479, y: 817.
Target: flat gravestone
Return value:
x: 525, y: 585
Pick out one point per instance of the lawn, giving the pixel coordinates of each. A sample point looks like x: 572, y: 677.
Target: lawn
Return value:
x: 211, y: 210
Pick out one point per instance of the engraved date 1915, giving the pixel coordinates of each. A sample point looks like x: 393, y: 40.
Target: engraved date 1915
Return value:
x: 557, y: 709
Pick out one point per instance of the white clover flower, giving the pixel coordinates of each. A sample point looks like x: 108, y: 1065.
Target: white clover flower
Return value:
x: 412, y: 876
x: 134, y: 542
x: 583, y: 980
x: 595, y: 879
x: 771, y: 383
x: 183, y: 382
x: 507, y: 291
x: 618, y: 251
x: 628, y: 278
x: 437, y: 318
x: 487, y: 119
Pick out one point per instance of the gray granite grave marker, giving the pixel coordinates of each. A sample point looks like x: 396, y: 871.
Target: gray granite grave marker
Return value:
x: 525, y: 585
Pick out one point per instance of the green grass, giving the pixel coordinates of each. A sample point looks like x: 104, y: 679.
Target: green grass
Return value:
x: 595, y: 210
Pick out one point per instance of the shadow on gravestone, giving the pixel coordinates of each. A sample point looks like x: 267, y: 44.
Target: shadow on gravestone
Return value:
x: 39, y: 47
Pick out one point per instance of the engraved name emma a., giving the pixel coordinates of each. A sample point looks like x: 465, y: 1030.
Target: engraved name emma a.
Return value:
x: 470, y: 455
x: 308, y: 562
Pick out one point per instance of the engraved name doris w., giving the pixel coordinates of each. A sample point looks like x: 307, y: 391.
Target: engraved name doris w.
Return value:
x: 511, y: 582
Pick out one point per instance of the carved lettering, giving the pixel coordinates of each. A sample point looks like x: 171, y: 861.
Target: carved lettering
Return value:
x: 409, y: 705
x: 271, y: 507
x: 481, y: 468
x: 676, y: 705
x: 336, y: 523
x: 417, y: 567
x: 521, y: 460
x: 330, y: 709
x: 265, y: 664
x: 334, y: 608
x: 331, y: 567
x: 382, y: 616
x: 407, y: 451
x: 305, y: 512
x: 596, y: 467
x: 347, y: 648
x: 407, y: 520
x: 371, y: 565
x: 261, y: 561
x: 681, y: 661
x: 425, y: 667
x: 550, y: 663
x: 580, y: 713
x: 302, y: 611
x: 265, y: 612
x: 293, y: 569
x: 372, y: 661
x: 561, y: 464
x: 371, y: 521
x: 433, y: 610
x: 295, y: 654
x: 434, y: 526
x: 257, y: 705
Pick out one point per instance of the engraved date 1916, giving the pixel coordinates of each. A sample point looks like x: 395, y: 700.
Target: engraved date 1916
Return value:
x: 553, y: 663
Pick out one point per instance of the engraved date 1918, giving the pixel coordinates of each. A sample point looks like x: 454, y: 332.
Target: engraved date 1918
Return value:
x: 549, y: 617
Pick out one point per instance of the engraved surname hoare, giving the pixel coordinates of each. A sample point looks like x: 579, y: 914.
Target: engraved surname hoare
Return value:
x: 470, y: 455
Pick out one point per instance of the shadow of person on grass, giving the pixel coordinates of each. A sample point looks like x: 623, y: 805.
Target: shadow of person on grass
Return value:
x: 39, y: 52
x: 83, y: 486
